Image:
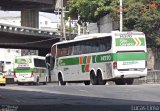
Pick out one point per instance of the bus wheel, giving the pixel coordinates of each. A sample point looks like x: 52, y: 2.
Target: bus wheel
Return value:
x: 60, y: 80
x: 129, y: 81
x: 99, y: 77
x: 120, y: 82
x: 93, y: 78
x: 44, y: 83
x: 19, y: 83
x: 87, y: 82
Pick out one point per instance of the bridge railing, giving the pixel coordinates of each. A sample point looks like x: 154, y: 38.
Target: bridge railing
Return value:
x: 33, y: 31
x: 27, y: 30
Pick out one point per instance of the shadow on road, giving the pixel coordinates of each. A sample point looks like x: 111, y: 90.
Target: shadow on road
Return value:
x: 13, y: 100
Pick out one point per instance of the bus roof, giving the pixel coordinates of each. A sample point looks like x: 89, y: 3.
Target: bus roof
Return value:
x: 84, y: 37
x: 97, y: 35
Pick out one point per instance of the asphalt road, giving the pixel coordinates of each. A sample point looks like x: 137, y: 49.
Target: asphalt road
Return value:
x: 81, y: 98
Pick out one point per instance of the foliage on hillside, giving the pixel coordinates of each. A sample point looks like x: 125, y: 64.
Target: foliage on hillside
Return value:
x: 140, y: 15
x: 88, y: 10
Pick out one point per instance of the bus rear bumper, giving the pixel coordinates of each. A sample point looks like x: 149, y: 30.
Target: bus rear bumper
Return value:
x: 24, y: 80
x: 131, y: 74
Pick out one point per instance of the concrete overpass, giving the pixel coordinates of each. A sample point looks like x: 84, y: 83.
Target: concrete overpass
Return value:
x: 29, y: 9
x: 27, y: 38
x: 19, y: 5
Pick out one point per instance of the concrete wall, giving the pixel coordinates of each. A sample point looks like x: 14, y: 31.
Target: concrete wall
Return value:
x: 105, y: 25
x: 153, y: 62
x: 93, y: 28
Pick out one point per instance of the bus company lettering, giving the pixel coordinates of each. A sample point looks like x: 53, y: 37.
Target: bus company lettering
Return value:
x: 102, y: 58
x: 130, y: 62
x: 23, y: 65
x: 125, y: 36
x: 106, y: 58
x: 125, y: 42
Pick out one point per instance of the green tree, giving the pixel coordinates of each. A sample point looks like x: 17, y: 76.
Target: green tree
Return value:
x: 88, y: 10
x: 140, y: 15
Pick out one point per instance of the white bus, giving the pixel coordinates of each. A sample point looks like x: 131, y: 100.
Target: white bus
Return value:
x: 98, y: 58
x: 30, y: 69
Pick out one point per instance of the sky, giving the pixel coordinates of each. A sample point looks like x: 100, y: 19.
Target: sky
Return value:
x: 53, y: 17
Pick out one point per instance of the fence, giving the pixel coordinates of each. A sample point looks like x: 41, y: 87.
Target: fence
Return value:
x: 152, y: 77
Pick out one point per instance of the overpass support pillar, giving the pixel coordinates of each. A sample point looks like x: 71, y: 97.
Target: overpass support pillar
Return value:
x: 30, y: 18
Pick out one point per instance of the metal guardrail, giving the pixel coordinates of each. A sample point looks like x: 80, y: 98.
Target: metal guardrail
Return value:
x: 153, y: 76
x: 27, y: 30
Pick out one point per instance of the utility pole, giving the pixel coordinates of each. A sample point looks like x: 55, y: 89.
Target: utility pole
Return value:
x: 79, y: 27
x: 69, y: 19
x: 62, y: 22
x: 121, y: 16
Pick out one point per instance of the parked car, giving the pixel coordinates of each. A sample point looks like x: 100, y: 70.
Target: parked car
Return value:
x: 2, y: 79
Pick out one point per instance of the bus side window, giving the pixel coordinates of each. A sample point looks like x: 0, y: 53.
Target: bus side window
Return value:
x: 70, y: 50
x: 58, y: 52
x: 53, y: 51
x: 75, y: 49
x: 102, y: 45
x: 64, y: 52
x: 108, y: 43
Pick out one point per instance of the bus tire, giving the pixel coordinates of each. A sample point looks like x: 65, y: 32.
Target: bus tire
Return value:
x: 129, y: 81
x: 87, y: 82
x: 60, y: 80
x: 93, y: 78
x: 120, y: 82
x: 44, y: 83
x: 19, y: 83
x: 100, y: 79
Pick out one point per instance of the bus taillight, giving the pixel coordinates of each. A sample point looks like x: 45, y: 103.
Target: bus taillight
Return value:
x: 145, y: 64
x: 32, y: 74
x: 15, y: 75
x: 114, y: 65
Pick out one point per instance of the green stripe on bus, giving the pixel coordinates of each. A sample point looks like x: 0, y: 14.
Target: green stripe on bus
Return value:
x: 69, y: 61
x: 23, y: 70
x: 131, y: 56
x: 130, y: 42
x: 124, y: 56
x: 83, y: 68
x: 22, y: 60
x: 102, y: 58
x: 35, y: 70
x: 142, y: 41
